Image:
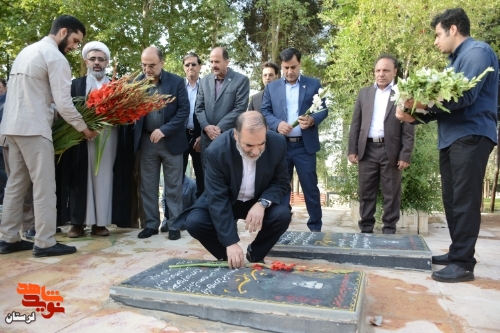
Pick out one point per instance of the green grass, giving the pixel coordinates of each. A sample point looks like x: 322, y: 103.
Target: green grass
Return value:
x: 487, y: 202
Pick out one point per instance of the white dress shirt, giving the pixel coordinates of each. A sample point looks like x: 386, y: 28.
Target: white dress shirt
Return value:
x: 192, y: 91
x: 40, y: 74
x: 379, y: 108
x: 247, y: 189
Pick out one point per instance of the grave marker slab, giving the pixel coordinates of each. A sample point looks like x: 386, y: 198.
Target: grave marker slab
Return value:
x: 275, y: 301
x: 394, y: 251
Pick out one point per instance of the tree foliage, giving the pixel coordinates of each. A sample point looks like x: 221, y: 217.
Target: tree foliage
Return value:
x: 126, y: 27
x: 367, y: 29
x: 270, y: 26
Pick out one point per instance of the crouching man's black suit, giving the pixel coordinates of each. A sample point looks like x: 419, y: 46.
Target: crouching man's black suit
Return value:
x: 211, y: 219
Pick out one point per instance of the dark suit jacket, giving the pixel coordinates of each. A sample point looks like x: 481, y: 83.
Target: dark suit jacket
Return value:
x: 274, y: 108
x: 188, y: 192
x: 223, y: 111
x: 175, y: 113
x: 223, y: 175
x: 398, y: 136
x: 256, y: 101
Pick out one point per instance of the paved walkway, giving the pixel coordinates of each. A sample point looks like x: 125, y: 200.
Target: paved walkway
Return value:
x: 408, y: 301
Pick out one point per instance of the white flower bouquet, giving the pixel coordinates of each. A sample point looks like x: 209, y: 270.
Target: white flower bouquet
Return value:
x: 317, y: 105
x: 431, y: 87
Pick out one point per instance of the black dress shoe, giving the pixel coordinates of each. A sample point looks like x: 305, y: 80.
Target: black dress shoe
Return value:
x: 147, y: 232
x: 164, y: 228
x: 453, y: 273
x: 56, y: 250
x: 441, y: 260
x: 15, y: 247
x: 251, y: 259
x: 174, y: 234
x: 29, y: 234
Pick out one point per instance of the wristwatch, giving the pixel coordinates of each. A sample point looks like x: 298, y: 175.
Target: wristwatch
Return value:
x: 265, y: 203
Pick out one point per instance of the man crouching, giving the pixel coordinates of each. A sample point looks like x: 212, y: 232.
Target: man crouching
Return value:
x: 246, y: 177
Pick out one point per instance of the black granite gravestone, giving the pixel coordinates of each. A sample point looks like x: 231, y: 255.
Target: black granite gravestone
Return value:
x: 394, y: 251
x: 277, y: 301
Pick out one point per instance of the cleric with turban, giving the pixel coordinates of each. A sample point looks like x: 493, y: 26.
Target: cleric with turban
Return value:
x: 96, y: 56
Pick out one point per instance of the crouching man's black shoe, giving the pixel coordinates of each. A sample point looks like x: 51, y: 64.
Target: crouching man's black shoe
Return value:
x: 250, y: 257
x: 15, y: 247
x: 174, y: 234
x: 441, y: 260
x: 453, y: 273
x: 56, y: 250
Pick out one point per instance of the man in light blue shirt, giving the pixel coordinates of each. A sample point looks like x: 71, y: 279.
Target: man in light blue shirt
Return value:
x: 285, y: 101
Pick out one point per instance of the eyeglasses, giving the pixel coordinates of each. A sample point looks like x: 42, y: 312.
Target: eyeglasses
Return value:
x: 93, y: 59
x: 149, y: 66
x: 192, y: 64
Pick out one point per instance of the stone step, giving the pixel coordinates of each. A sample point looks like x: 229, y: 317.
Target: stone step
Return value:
x: 275, y: 301
x: 400, y: 251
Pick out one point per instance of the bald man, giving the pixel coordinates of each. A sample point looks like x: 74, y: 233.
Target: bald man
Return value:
x: 222, y: 97
x: 161, y: 139
x: 246, y: 177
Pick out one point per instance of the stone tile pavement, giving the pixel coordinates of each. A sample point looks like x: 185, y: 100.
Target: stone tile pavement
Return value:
x: 408, y: 301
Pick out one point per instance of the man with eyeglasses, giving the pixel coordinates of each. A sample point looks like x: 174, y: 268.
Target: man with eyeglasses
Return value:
x: 192, y: 67
x: 40, y: 74
x: 161, y: 139
x: 222, y: 97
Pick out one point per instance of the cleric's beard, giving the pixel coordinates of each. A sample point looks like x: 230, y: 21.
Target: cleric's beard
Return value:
x: 97, y: 74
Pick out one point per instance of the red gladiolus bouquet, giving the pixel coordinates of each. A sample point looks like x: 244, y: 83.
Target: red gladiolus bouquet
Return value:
x: 118, y: 102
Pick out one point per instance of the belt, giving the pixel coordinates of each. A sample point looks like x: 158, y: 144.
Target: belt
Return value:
x: 293, y: 138
x: 190, y: 131
x: 375, y: 139
x: 147, y: 132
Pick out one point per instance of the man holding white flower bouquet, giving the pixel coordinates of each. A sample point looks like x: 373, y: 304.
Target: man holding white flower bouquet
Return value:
x: 294, y: 107
x: 466, y: 137
x: 381, y: 146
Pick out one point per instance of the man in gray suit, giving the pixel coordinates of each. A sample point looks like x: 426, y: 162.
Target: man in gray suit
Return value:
x: 382, y: 147
x: 222, y: 96
x: 270, y: 72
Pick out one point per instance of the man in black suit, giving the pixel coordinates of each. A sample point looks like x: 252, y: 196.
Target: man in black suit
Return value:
x: 161, y: 137
x: 270, y: 72
x: 246, y: 177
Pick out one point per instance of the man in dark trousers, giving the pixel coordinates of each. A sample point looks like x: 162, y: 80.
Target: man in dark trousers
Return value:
x: 285, y: 101
x: 466, y: 137
x: 381, y: 145
x: 246, y: 178
x: 161, y: 138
